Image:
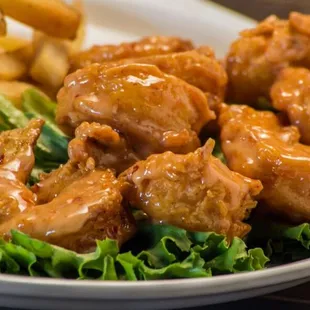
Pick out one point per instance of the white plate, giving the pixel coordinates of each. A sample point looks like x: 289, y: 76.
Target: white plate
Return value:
x: 113, y: 21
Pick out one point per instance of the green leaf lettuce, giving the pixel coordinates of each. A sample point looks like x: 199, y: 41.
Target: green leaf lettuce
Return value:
x: 172, y: 253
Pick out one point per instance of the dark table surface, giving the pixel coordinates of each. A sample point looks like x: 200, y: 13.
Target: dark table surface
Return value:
x: 259, y: 9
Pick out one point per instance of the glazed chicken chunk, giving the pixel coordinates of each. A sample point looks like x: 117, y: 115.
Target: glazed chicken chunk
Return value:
x: 104, y: 145
x: 291, y: 94
x: 154, y: 111
x: 147, y: 46
x: 51, y: 184
x: 16, y: 150
x: 87, y: 210
x: 16, y: 163
x: 80, y: 203
x: 257, y: 57
x: 257, y: 146
x: 196, y: 192
x: 94, y: 144
x: 197, y: 67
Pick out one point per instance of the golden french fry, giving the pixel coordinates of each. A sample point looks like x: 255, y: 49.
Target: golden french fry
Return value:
x: 11, y: 44
x: 19, y: 48
x: 13, y: 90
x: 15, y: 57
x: 77, y: 44
x: 50, y: 65
x: 2, y: 25
x: 25, y: 54
x: 53, y: 17
x: 72, y: 46
x: 11, y: 68
x: 38, y: 39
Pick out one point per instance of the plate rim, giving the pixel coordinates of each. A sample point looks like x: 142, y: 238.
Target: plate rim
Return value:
x: 166, y: 289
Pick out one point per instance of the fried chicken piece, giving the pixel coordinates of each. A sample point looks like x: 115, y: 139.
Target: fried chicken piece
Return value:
x: 89, y: 209
x: 88, y: 203
x: 257, y: 57
x: 16, y: 163
x: 196, y: 192
x: 51, y: 184
x: 154, y: 45
x: 104, y: 145
x: 197, y: 67
x: 154, y: 111
x: 291, y: 94
x: 94, y: 146
x: 16, y: 150
x: 15, y: 197
x: 257, y: 146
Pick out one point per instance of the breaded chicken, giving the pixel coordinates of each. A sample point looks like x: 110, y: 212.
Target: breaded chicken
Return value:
x: 291, y: 94
x: 16, y: 150
x: 154, y: 45
x: 51, y: 184
x: 256, y: 145
x: 94, y: 146
x: 197, y: 67
x: 104, y: 145
x: 16, y: 163
x: 154, y: 111
x: 256, y: 58
x: 196, y: 192
x: 87, y: 210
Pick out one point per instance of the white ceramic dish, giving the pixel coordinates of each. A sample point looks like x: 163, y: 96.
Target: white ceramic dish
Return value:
x: 112, y: 21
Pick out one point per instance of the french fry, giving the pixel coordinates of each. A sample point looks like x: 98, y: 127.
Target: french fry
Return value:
x: 15, y: 57
x: 38, y: 39
x: 50, y: 65
x: 53, y: 17
x: 77, y: 44
x: 19, y: 48
x: 25, y: 54
x: 11, y: 68
x: 11, y: 44
x: 46, y: 57
x: 2, y: 25
x: 73, y: 46
x: 13, y: 90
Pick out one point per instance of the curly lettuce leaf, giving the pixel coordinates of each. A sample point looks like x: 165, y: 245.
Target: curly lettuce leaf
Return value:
x: 191, y: 267
x: 282, y: 242
x: 52, y: 144
x: 8, y: 264
x: 34, y: 105
x: 165, y: 243
x: 13, y: 117
x: 222, y: 257
x: 51, y: 148
x: 300, y: 233
x: 33, y: 102
x: 171, y: 253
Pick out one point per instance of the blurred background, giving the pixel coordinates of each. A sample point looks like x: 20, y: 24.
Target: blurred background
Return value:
x: 259, y: 9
